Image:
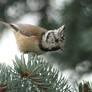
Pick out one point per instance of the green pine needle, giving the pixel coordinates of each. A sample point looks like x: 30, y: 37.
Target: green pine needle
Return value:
x: 34, y: 75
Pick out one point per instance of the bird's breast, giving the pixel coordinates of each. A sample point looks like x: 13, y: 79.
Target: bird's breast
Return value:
x: 28, y: 44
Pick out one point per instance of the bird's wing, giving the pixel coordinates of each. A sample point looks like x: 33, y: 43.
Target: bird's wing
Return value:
x: 30, y: 30
x: 26, y: 29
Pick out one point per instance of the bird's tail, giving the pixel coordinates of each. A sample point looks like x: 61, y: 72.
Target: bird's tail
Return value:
x: 9, y: 25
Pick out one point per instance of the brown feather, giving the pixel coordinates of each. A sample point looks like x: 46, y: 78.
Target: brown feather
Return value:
x: 26, y: 29
x: 30, y: 30
x: 27, y: 37
x: 28, y: 44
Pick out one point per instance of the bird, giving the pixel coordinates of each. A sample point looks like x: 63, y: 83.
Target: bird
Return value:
x: 35, y: 39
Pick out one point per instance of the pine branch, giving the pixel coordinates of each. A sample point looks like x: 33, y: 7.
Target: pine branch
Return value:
x: 83, y: 87
x: 36, y: 75
x: 41, y: 74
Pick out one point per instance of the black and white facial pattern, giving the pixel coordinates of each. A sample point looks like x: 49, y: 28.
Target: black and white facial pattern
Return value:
x: 53, y: 39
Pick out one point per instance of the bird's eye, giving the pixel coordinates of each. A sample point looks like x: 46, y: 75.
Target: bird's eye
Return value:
x: 63, y: 38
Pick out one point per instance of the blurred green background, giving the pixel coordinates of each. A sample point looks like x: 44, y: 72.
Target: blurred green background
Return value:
x: 51, y: 14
